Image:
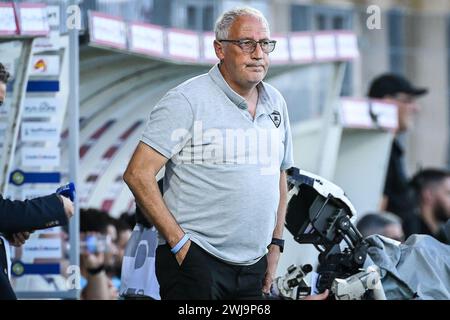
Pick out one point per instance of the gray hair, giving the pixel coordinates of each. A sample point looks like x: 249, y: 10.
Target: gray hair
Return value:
x: 225, y: 21
x: 375, y: 222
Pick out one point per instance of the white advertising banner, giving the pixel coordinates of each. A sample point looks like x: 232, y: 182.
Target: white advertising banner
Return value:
x: 53, y: 16
x: 208, y: 47
x: 108, y: 31
x: 33, y: 19
x: 281, y: 52
x: 40, y: 157
x: 183, y: 44
x: 386, y: 114
x: 41, y: 248
x: 302, y: 47
x: 50, y: 43
x: 40, y: 131
x: 8, y: 20
x: 147, y: 39
x: 347, y: 45
x: 44, y: 65
x: 41, y: 107
x: 355, y: 113
x: 325, y: 46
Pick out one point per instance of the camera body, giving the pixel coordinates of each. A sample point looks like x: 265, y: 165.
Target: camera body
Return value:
x: 320, y: 213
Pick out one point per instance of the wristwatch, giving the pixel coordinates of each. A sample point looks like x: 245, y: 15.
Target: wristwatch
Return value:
x: 278, y: 242
x: 97, y: 270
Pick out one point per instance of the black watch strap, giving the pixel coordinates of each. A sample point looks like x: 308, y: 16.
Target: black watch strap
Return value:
x: 96, y: 271
x: 278, y: 242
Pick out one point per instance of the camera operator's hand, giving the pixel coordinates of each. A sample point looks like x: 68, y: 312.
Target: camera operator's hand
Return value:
x: 321, y: 296
x: 18, y: 239
x: 272, y: 261
x: 68, y: 207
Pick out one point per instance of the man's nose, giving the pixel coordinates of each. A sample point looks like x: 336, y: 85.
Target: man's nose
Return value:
x: 258, y: 53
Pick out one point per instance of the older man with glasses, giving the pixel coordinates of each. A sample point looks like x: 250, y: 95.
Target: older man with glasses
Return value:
x: 225, y: 141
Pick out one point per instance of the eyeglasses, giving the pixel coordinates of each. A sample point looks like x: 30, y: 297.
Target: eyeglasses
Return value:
x: 249, y: 46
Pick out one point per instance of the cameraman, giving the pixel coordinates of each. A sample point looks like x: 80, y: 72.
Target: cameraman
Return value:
x: 19, y: 218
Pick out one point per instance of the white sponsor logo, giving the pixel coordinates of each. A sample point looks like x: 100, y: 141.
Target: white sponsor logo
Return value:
x: 40, y: 157
x: 40, y: 131
x: 45, y: 65
x: 40, y: 107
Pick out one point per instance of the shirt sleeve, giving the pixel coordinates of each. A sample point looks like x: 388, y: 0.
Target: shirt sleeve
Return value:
x: 288, y: 159
x: 169, y: 125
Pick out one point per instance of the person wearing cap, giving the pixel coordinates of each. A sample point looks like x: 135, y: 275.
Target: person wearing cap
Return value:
x: 395, y: 89
x: 19, y: 218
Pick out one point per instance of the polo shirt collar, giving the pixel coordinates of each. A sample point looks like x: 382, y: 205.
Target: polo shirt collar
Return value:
x: 238, y: 100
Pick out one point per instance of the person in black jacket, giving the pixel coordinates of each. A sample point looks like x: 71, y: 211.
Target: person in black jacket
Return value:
x: 19, y: 218
x: 395, y: 89
x: 432, y: 200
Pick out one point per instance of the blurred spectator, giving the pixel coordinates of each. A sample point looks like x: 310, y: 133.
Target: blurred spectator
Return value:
x: 123, y: 232
x: 129, y: 219
x: 382, y: 223
x: 111, y: 255
x: 397, y: 90
x: 432, y: 193
x: 96, y: 250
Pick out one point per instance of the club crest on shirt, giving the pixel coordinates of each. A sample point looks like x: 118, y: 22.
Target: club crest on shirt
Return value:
x: 276, y: 118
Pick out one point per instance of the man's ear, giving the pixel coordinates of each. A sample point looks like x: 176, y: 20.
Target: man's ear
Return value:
x: 218, y: 48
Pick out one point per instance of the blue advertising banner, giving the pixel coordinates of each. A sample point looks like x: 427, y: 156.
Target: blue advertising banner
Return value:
x: 42, y: 86
x: 19, y: 177
x: 19, y: 268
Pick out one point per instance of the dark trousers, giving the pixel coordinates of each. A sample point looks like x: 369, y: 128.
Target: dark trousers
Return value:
x: 204, y: 277
x: 6, y: 292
